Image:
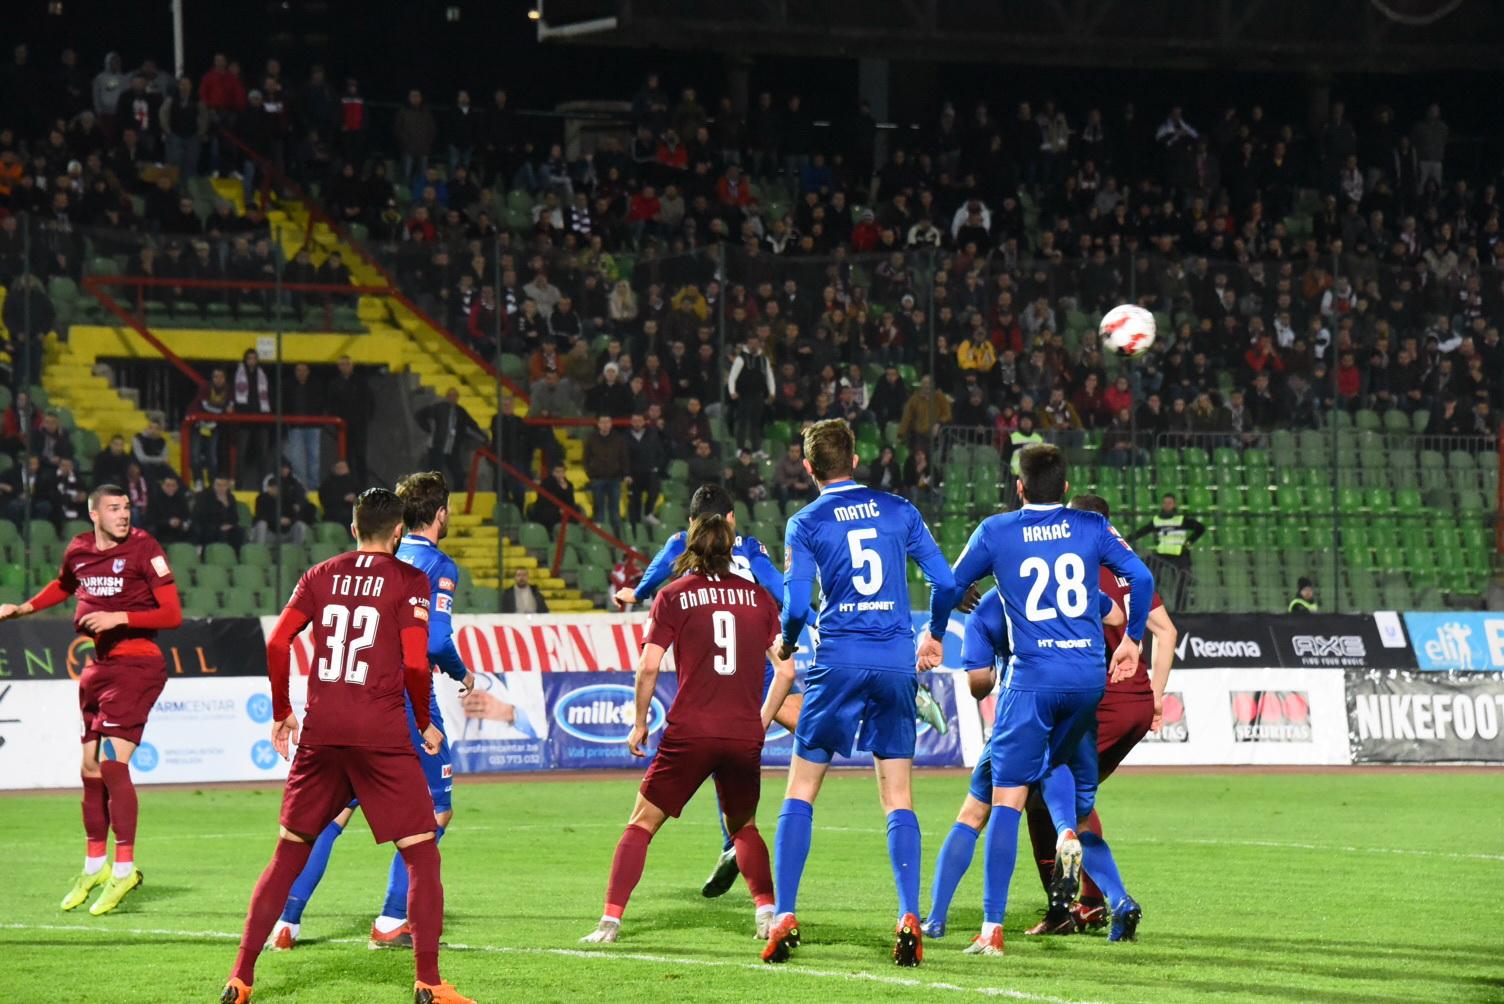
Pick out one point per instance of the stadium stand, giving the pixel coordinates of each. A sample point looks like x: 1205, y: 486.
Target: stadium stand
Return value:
x: 1323, y: 394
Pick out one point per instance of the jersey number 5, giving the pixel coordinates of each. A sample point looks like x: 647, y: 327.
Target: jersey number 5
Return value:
x: 1070, y: 593
x: 865, y: 558
x: 344, y: 652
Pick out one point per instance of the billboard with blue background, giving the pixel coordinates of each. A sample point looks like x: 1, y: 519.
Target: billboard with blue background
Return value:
x: 1458, y: 639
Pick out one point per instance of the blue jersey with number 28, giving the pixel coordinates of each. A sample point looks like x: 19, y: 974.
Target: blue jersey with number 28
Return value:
x: 1045, y: 560
x: 858, y: 540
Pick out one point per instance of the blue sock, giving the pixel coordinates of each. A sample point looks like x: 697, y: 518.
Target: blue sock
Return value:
x: 955, y: 858
x: 313, y: 871
x: 997, y: 866
x: 720, y: 817
x: 796, y: 822
x: 396, y: 884
x: 1096, y: 860
x: 903, y: 852
x: 1059, y: 792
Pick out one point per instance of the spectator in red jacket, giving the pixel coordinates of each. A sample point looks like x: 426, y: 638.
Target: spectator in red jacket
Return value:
x: 1118, y: 397
x: 866, y: 234
x: 1349, y: 380
x: 641, y: 212
x: 1261, y: 357
x: 733, y: 191
x: 222, y: 92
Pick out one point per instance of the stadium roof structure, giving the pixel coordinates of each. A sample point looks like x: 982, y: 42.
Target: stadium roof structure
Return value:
x: 1334, y: 36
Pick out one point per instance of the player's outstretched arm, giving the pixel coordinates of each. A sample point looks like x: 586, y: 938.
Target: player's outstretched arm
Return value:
x: 783, y: 682
x: 51, y: 595
x: 647, y: 681
x: 659, y: 571
x: 1165, y: 635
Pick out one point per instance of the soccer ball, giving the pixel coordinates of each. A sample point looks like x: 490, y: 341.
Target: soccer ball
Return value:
x: 1127, y: 330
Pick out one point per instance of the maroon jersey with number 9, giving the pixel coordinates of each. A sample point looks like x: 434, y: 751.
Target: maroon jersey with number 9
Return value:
x: 357, y: 604
x: 719, y: 630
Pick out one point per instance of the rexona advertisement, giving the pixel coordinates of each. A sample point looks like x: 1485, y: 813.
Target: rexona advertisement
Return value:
x: 1313, y: 641
x: 1428, y: 717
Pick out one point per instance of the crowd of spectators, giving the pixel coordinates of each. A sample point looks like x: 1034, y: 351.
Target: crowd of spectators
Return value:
x: 716, y: 264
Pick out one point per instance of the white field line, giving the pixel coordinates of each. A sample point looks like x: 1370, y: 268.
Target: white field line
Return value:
x: 682, y: 823
x: 599, y: 955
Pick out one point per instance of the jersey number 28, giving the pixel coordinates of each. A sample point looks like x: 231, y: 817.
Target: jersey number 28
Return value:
x: 1070, y: 588
x: 344, y: 651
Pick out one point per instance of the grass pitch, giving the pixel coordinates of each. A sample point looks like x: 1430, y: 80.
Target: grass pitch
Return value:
x: 1348, y: 887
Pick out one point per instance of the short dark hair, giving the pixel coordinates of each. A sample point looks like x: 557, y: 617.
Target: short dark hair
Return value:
x: 829, y: 447
x: 423, y: 494
x: 378, y: 511
x: 1091, y: 503
x: 105, y: 491
x: 710, y: 498
x: 1042, y: 469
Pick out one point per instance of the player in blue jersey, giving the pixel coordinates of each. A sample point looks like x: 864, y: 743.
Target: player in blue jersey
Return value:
x: 425, y: 499
x: 1045, y: 558
x: 984, y: 651
x: 749, y: 559
x: 861, y: 689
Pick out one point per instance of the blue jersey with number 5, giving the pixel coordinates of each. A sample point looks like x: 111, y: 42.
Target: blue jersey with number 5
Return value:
x: 1045, y: 560
x: 858, y: 541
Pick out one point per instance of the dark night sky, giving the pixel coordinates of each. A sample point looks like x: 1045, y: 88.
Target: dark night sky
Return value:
x: 393, y: 45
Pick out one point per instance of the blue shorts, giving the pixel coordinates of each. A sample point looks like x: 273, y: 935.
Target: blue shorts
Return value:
x: 437, y: 768
x: 1036, y: 729
x: 981, y: 779
x: 848, y: 704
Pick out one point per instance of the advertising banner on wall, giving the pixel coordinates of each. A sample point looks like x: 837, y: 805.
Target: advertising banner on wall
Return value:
x: 37, y: 649
x: 1430, y: 717
x: 1457, y: 640
x: 1310, y: 641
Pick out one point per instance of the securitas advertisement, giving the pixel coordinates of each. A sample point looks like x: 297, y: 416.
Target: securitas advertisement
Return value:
x: 1457, y: 640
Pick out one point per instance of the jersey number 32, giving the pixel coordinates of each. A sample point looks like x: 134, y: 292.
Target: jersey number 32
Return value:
x: 344, y: 652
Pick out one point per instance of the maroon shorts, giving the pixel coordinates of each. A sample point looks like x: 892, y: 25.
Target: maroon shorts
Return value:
x: 390, y: 784
x: 115, y: 696
x: 682, y: 765
x: 1122, y: 720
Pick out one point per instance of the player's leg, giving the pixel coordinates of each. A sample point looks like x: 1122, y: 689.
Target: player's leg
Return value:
x: 1043, y: 838
x: 1121, y: 724
x: 674, y: 776
x: 389, y: 929
x: 888, y: 731
x: 284, y: 935
x: 95, y: 801
x: 738, y: 783
x: 317, y: 790
x: 959, y: 846
x: 1018, y: 750
x: 120, y: 791
x: 394, y: 798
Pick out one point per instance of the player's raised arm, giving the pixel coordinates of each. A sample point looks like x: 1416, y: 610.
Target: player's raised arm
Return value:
x: 798, y: 586
x: 659, y: 571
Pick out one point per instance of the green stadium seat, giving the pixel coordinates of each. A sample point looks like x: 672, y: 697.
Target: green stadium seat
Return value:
x: 182, y: 557
x: 1378, y: 501
x: 213, y: 577
x: 532, y: 535
x: 220, y: 554
x: 256, y: 554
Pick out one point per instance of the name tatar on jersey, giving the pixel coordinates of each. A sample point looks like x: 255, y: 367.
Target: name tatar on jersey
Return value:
x: 355, y: 585
x: 1049, y: 531
x: 720, y: 595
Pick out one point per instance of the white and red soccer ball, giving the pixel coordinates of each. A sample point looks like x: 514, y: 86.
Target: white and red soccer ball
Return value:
x: 1127, y: 330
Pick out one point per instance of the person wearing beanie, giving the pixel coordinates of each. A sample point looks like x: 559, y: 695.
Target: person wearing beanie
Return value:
x: 1305, y: 598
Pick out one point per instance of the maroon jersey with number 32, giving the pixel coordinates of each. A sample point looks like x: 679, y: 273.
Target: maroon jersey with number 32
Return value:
x: 358, y: 603
x: 719, y: 630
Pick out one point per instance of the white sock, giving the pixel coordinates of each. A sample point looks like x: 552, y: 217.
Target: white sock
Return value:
x: 293, y: 928
x: 610, y: 920
x: 988, y: 928
x: 386, y: 925
x: 123, y: 869
x: 92, y: 864
x: 764, y: 911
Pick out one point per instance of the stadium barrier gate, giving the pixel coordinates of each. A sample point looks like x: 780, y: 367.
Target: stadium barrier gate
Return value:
x: 555, y: 692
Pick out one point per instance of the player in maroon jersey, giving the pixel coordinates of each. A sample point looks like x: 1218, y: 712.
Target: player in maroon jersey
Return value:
x: 369, y: 612
x: 125, y: 596
x: 719, y: 626
x: 1130, y: 709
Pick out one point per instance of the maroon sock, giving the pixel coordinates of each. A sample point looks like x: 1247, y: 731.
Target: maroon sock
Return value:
x: 752, y: 859
x: 116, y: 777
x: 1089, y: 890
x: 626, y: 869
x: 96, y: 815
x: 425, y: 907
x: 267, y: 900
x: 1042, y: 835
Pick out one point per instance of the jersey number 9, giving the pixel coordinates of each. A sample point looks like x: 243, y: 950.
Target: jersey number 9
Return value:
x: 1070, y: 591
x: 865, y: 558
x: 344, y: 652
x: 723, y: 624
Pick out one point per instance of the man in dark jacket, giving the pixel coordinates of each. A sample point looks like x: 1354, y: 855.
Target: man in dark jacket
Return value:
x: 649, y: 457
x: 215, y: 516
x: 523, y: 597
x: 167, y: 513
x: 415, y: 131
x: 607, y: 462
x: 453, y: 436
x: 347, y: 398
x: 546, y: 509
